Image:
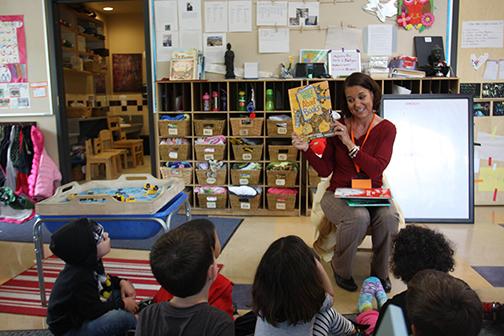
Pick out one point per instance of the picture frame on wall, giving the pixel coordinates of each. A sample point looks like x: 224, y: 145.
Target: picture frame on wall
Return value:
x: 127, y: 72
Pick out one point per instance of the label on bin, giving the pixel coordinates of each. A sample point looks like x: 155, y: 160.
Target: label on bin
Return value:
x: 211, y: 205
x: 282, y: 157
x: 209, y: 150
x: 208, y: 131
x: 280, y: 206
x: 280, y: 182
x: 211, y: 198
x: 245, y: 205
x: 211, y: 180
x: 282, y: 130
x: 209, y: 156
x: 173, y: 155
x: 247, y: 156
x: 173, y: 131
x: 243, y: 131
x: 244, y: 181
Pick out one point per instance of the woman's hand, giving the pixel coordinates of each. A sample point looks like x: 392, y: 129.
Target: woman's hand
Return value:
x: 341, y: 131
x: 299, y: 143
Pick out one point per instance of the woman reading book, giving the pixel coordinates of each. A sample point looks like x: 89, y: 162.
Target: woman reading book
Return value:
x: 356, y: 156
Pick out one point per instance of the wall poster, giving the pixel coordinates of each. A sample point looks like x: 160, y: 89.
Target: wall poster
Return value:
x: 12, y: 49
x: 127, y: 72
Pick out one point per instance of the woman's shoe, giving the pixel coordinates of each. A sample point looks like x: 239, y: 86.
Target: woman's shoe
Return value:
x: 347, y: 284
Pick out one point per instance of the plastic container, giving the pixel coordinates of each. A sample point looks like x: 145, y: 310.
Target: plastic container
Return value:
x: 215, y: 101
x: 242, y: 101
x: 206, y: 102
x: 270, y: 105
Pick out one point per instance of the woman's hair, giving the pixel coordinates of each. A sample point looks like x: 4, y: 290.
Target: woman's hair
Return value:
x: 416, y: 248
x: 287, y: 285
x: 363, y: 80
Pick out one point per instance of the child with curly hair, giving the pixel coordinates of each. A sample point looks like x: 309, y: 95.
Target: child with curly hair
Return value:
x: 416, y: 248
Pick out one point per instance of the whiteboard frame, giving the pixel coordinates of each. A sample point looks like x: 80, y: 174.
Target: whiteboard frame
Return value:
x: 470, y: 151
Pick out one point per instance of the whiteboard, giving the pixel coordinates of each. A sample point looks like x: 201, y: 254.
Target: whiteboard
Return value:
x: 431, y: 171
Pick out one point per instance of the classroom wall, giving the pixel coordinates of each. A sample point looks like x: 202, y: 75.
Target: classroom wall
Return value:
x: 477, y: 11
x: 35, y: 31
x: 245, y: 45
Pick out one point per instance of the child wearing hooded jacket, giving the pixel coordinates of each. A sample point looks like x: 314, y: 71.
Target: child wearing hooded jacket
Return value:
x: 85, y: 300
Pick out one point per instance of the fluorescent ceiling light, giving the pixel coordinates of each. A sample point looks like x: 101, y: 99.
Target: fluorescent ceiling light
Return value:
x: 108, y: 8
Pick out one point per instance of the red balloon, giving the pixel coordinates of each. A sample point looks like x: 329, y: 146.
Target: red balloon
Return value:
x: 318, y: 146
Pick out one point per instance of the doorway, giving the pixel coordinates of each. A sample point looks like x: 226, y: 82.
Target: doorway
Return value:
x: 102, y: 59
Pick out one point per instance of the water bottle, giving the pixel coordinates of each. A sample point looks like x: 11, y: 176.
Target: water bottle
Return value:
x: 215, y: 101
x: 241, y: 101
x: 270, y: 105
x: 206, y: 102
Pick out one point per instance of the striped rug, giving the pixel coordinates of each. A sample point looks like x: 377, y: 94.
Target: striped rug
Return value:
x: 21, y: 295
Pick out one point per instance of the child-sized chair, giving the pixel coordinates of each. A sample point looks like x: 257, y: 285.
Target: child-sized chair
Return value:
x: 134, y: 146
x: 95, y: 158
x: 107, y: 144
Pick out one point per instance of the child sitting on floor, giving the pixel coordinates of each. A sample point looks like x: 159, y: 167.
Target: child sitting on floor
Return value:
x: 183, y: 263
x: 85, y: 300
x: 292, y: 294
x: 220, y: 294
x: 371, y: 289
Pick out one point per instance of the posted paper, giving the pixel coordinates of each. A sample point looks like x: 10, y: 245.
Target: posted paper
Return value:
x: 240, y: 16
x: 271, y: 13
x: 379, y: 40
x: 189, y: 14
x: 482, y: 34
x: 304, y: 14
x: 214, y: 46
x: 216, y: 16
x: 273, y: 40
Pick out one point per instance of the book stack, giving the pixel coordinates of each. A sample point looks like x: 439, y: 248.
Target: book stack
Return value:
x: 364, y: 197
x: 187, y: 65
x: 406, y: 73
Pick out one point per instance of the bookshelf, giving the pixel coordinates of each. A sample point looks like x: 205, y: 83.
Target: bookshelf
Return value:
x: 186, y: 97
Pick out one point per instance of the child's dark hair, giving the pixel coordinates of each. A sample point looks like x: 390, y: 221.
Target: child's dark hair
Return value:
x: 365, y: 81
x: 180, y: 260
x: 287, y: 286
x: 203, y: 225
x: 441, y: 305
x: 416, y: 248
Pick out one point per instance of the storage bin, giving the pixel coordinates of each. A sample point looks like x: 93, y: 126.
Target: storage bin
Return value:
x: 281, y: 202
x: 247, y: 152
x: 281, y: 178
x: 246, y: 126
x: 184, y: 173
x: 205, y: 152
x: 219, y: 179
x: 243, y: 203
x: 174, y: 128
x: 209, y: 127
x: 174, y: 152
x: 212, y: 201
x: 245, y: 177
x: 282, y: 153
x: 276, y: 128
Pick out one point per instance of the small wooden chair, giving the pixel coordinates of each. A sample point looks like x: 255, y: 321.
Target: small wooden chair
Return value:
x: 107, y: 144
x: 97, y: 158
x: 134, y: 146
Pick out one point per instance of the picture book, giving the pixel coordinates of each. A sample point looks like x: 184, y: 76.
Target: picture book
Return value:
x: 311, y: 110
x: 367, y: 202
x: 371, y: 193
x: 184, y: 65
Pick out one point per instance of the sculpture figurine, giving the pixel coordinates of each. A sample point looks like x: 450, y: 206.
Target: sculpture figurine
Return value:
x: 229, y: 61
x: 437, y: 66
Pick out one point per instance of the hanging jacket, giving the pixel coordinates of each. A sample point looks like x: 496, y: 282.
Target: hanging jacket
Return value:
x: 10, y: 171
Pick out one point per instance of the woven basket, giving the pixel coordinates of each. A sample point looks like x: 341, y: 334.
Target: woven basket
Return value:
x: 282, y: 153
x: 174, y: 152
x: 313, y: 177
x: 281, y: 178
x: 206, y: 152
x: 202, y: 178
x: 184, y: 173
x: 242, y: 203
x: 212, y: 201
x: 246, y: 126
x: 78, y: 112
x: 245, y: 177
x: 274, y: 130
x: 174, y: 128
x: 247, y: 152
x: 281, y: 202
x: 209, y: 127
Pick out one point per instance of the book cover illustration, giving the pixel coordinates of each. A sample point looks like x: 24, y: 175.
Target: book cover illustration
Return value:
x: 184, y: 65
x: 311, y: 110
x: 371, y: 193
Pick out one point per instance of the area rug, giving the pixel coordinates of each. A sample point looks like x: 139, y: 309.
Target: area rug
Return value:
x: 493, y: 274
x: 225, y: 226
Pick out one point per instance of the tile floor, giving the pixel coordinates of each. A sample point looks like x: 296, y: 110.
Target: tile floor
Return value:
x: 481, y: 244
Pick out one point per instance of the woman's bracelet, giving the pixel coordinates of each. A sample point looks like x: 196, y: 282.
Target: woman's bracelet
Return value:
x: 353, y: 152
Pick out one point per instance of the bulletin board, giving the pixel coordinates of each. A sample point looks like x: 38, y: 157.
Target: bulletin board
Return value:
x: 431, y: 171
x: 24, y: 74
x: 348, y: 14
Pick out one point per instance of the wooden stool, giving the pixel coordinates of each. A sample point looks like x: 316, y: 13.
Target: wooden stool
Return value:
x: 109, y: 160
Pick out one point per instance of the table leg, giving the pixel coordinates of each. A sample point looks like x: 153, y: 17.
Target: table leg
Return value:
x: 187, y: 207
x: 39, y: 256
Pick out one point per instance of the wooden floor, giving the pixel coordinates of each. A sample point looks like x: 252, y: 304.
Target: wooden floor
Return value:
x: 481, y: 244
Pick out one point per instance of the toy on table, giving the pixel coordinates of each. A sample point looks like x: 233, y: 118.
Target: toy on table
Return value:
x: 150, y: 189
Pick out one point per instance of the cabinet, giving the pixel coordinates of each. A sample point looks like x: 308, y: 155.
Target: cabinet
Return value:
x: 488, y: 112
x: 272, y: 137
